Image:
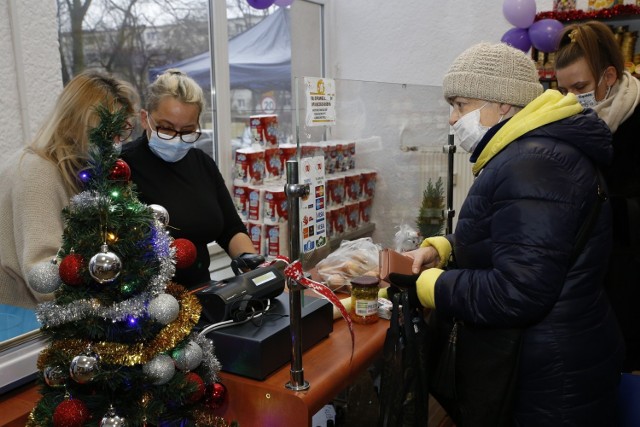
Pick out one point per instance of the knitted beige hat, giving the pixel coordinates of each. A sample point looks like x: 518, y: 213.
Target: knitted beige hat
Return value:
x: 493, y: 72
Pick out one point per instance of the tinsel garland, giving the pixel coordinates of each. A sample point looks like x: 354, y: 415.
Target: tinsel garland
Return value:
x: 50, y: 314
x: 136, y: 353
x: 210, y: 363
x: 618, y: 11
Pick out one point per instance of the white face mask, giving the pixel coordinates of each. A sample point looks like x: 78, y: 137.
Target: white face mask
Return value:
x: 171, y: 149
x: 469, y: 131
x: 588, y: 99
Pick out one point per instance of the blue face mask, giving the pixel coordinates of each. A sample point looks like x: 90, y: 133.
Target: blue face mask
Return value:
x: 169, y: 150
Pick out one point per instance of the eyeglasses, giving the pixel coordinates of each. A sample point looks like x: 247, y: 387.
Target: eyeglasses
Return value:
x: 167, y: 133
x: 125, y: 133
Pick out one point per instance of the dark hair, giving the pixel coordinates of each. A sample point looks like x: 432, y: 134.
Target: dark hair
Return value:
x: 593, y: 41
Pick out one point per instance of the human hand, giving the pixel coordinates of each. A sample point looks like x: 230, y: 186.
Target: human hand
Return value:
x: 423, y: 258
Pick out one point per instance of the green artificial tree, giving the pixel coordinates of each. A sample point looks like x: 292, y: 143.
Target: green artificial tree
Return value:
x: 121, y: 347
x: 430, y: 220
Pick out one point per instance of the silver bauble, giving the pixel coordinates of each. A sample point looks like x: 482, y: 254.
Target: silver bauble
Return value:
x: 111, y: 419
x: 105, y: 266
x: 54, y: 376
x: 160, y: 213
x: 160, y: 369
x: 189, y: 357
x: 164, y: 308
x: 84, y: 368
x: 44, y: 277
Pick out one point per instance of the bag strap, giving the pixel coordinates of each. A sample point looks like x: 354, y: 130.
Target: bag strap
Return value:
x: 590, y: 221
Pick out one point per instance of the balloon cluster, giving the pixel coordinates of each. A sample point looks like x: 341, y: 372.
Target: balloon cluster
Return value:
x: 264, y: 4
x: 543, y: 34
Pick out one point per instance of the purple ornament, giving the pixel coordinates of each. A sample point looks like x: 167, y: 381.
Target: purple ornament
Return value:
x: 519, y: 13
x: 545, y: 34
x: 518, y: 38
x: 260, y: 4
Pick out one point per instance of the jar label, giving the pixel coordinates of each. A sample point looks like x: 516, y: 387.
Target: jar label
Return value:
x: 366, y: 307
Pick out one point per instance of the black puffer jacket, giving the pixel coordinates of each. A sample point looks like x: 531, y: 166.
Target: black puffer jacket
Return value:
x: 513, y: 244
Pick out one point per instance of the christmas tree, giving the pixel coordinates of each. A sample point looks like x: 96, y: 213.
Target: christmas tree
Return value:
x: 121, y: 347
x: 430, y: 219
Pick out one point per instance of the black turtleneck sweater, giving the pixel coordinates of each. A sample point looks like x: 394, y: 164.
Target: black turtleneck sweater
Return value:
x: 193, y: 191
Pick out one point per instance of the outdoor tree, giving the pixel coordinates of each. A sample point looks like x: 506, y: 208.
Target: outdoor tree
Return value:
x: 121, y: 346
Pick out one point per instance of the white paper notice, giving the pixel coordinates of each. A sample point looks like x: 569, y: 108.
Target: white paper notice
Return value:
x: 313, y: 223
x: 321, y: 101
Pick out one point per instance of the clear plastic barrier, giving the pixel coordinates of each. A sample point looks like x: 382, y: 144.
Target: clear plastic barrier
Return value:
x: 399, y: 131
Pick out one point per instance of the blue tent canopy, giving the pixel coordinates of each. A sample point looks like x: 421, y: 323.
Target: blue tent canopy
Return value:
x: 259, y: 58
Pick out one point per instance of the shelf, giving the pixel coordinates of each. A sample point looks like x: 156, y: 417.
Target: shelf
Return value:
x: 619, y: 12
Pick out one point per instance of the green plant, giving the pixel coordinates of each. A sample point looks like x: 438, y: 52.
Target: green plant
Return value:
x: 430, y: 220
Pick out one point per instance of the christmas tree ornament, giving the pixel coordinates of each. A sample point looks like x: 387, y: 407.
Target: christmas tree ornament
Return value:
x: 164, y: 308
x: 198, y: 393
x: 111, y: 419
x: 120, y: 171
x: 44, y: 277
x: 70, y: 269
x: 217, y: 395
x: 160, y: 213
x: 84, y: 367
x: 54, y: 376
x: 105, y: 266
x: 71, y: 413
x: 185, y: 252
x: 160, y: 369
x: 189, y: 357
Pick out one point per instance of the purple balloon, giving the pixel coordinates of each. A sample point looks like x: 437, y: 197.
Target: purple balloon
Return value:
x: 518, y: 38
x: 283, y: 3
x: 519, y: 13
x: 260, y: 4
x: 545, y: 34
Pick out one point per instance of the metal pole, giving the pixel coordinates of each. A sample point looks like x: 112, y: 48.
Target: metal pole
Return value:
x: 449, y: 213
x: 294, y: 191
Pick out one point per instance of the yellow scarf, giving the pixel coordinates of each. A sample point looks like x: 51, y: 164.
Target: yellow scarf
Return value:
x: 549, y: 107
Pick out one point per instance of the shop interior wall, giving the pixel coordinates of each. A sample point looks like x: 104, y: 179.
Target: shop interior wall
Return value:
x: 411, y: 42
x: 30, y: 69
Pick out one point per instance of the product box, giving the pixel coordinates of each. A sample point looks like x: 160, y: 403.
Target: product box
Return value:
x: 603, y: 4
x: 256, y: 349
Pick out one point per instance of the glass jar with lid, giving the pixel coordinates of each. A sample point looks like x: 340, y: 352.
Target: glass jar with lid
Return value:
x: 364, y: 299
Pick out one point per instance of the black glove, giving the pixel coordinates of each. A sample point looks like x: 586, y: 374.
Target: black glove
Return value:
x: 246, y: 262
x: 401, y: 282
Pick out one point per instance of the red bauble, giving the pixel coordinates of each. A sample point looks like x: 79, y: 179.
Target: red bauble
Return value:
x: 194, y: 378
x: 217, y: 395
x: 185, y: 252
x: 71, y: 413
x: 120, y: 171
x: 70, y: 268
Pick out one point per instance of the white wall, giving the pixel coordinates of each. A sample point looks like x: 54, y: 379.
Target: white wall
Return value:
x: 411, y: 42
x: 30, y: 69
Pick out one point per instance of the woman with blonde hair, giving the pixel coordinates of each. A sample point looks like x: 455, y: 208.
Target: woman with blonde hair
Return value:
x: 590, y: 64
x: 38, y: 180
x: 170, y: 172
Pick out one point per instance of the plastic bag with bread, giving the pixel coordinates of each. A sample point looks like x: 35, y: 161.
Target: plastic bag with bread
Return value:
x: 352, y: 259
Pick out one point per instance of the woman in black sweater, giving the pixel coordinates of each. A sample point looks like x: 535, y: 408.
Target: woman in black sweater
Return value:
x: 170, y: 172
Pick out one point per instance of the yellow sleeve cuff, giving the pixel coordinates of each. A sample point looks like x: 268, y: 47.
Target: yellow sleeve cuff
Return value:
x: 426, y: 287
x: 440, y: 244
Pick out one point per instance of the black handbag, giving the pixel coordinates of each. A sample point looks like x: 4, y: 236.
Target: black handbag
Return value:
x: 473, y: 371
x: 404, y: 394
